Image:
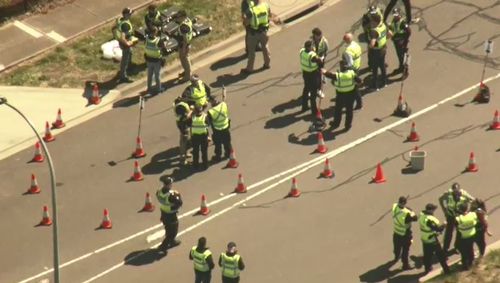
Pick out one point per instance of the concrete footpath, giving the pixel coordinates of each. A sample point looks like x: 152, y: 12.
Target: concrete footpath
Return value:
x: 41, y: 104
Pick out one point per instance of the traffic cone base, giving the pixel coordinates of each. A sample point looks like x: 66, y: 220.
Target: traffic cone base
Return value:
x: 294, y: 191
x: 240, y: 187
x: 321, y: 144
x: 139, y: 150
x: 413, y: 137
x: 472, y: 167
x: 137, y: 176
x: 38, y: 154
x: 148, y: 205
x: 495, y: 125
x: 327, y: 172
x: 59, y: 122
x: 106, y: 221
x: 232, y: 163
x: 34, y: 188
x: 46, y: 221
x: 204, y: 210
x: 379, y: 175
x: 48, y: 134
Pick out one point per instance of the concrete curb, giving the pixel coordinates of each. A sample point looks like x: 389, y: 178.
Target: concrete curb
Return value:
x: 435, y: 273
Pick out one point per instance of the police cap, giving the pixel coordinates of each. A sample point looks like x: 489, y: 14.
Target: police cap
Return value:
x: 402, y: 200
x: 126, y: 11
x: 396, y: 12
x: 165, y: 179
x: 430, y: 207
x: 455, y: 186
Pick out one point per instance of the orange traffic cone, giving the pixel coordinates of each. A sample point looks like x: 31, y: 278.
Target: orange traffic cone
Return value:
x: 46, y: 221
x: 402, y: 109
x: 106, y: 221
x: 495, y: 125
x: 413, y: 137
x: 321, y: 144
x: 95, y: 98
x: 232, y: 163
x: 204, y: 210
x: 59, y: 122
x: 472, y: 167
x: 38, y: 154
x: 240, y: 187
x: 137, y: 176
x: 48, y: 135
x: 139, y: 150
x: 327, y: 172
x: 379, y: 175
x: 294, y: 191
x: 319, y: 116
x: 148, y: 205
x: 34, y: 188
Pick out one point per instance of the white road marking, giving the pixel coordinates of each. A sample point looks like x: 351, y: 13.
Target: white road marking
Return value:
x: 27, y: 29
x: 56, y: 37
x: 312, y: 163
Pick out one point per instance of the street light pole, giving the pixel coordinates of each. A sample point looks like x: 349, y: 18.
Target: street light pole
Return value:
x: 3, y: 100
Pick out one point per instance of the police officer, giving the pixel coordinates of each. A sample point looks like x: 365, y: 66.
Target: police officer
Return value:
x: 198, y: 92
x: 450, y: 202
x: 402, y: 217
x: 124, y: 33
x: 231, y: 264
x: 170, y: 202
x: 218, y: 117
x: 257, y: 19
x: 311, y: 64
x: 183, y: 114
x: 391, y: 5
x: 246, y: 5
x: 352, y: 56
x: 377, y: 51
x: 430, y: 227
x: 466, y: 233
x: 345, y: 82
x: 153, y: 18
x: 202, y: 260
x: 367, y: 18
x: 153, y: 56
x: 400, y: 32
x: 184, y: 35
x: 199, y: 137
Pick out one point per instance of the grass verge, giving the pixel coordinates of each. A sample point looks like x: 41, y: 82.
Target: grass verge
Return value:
x: 71, y: 64
x: 486, y: 270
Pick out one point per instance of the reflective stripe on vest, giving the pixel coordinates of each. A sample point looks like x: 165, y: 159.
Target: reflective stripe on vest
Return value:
x: 189, y: 35
x: 399, y: 219
x: 354, y: 50
x: 200, y: 259
x: 426, y: 234
x: 467, y: 225
x: 165, y: 204
x: 199, y: 125
x: 198, y: 94
x: 185, y: 106
x: 260, y: 16
x: 220, y: 116
x: 156, y: 19
x: 306, y: 62
x: 119, y: 30
x: 152, y: 50
x: 382, y: 36
x: 345, y: 81
x: 452, y: 205
x: 322, y: 47
x: 230, y: 267
x: 396, y: 27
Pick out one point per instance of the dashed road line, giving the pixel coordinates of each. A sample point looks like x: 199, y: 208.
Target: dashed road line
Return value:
x: 56, y: 37
x: 28, y: 29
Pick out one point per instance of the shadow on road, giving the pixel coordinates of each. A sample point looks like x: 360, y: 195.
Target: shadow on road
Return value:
x: 226, y: 62
x: 379, y: 273
x: 143, y: 257
x: 162, y: 161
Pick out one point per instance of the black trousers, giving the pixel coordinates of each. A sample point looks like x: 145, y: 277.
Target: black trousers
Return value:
x: 401, y: 47
x: 402, y: 247
x: 312, y: 83
x: 358, y: 98
x: 480, y: 241
x: 202, y: 277
x: 448, y: 233
x: 466, y: 248
x: 391, y: 5
x: 200, y: 143
x: 220, y: 139
x: 230, y: 280
x: 429, y: 251
x: 171, y: 225
x: 344, y: 101
x: 378, y: 62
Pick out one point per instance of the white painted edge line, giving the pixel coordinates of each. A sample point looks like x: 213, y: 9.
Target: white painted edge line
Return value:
x: 27, y: 29
x: 308, y: 164
x: 56, y: 37
x: 311, y: 163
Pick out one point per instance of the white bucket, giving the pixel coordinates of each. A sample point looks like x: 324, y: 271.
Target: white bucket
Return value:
x: 417, y: 159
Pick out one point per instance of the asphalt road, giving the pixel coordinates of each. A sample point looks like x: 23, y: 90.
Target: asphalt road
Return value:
x: 338, y: 230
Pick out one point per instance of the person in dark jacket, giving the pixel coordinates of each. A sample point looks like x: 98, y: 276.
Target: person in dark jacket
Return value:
x: 202, y: 260
x: 479, y: 207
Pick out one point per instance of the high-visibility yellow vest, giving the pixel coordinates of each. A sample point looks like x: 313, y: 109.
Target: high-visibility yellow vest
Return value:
x: 322, y: 47
x: 398, y: 219
x: 230, y: 267
x: 345, y: 81
x: 165, y: 204
x: 220, y: 116
x: 427, y: 235
x: 355, y: 51
x: 306, y: 63
x: 156, y: 19
x: 382, y: 36
x: 199, y: 125
x: 200, y: 259
x: 189, y: 35
x: 467, y: 225
x: 396, y: 27
x: 199, y: 94
x: 260, y: 16
x: 118, y: 30
x: 185, y: 106
x: 452, y: 205
x: 250, y: 3
x: 152, y: 50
